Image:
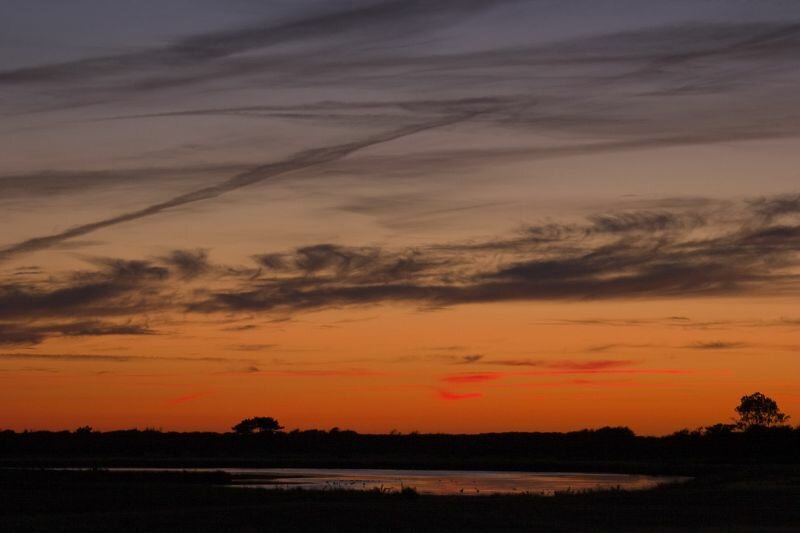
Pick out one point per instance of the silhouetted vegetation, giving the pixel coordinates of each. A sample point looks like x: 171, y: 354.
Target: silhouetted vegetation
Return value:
x: 609, y: 449
x: 259, y: 424
x: 757, y: 410
x: 759, y: 436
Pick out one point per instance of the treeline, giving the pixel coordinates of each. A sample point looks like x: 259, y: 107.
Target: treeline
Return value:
x: 342, y: 448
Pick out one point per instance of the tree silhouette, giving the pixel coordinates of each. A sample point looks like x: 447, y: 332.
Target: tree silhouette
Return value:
x: 758, y: 410
x: 258, y: 424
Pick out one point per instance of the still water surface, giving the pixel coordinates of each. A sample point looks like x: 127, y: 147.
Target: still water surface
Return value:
x: 440, y: 482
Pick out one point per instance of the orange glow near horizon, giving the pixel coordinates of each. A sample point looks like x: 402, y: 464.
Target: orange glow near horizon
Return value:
x: 466, y: 370
x: 415, y: 216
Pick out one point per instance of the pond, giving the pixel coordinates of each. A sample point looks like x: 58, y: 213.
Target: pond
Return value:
x: 440, y: 482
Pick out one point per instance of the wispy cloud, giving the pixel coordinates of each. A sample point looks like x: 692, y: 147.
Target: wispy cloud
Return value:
x: 485, y: 377
x: 605, y: 112
x: 333, y: 373
x: 253, y: 347
x: 676, y: 322
x: 111, y: 358
x: 301, y: 160
x: 725, y: 250
x: 472, y: 377
x: 596, y: 383
x: 613, y: 256
x: 716, y: 345
x: 358, y: 23
x: 564, y: 364
x: 14, y: 333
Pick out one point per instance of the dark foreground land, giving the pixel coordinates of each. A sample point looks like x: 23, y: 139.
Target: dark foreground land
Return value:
x: 743, y: 499
x: 742, y: 481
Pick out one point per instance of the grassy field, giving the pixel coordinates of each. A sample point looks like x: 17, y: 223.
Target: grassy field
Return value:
x: 752, y: 499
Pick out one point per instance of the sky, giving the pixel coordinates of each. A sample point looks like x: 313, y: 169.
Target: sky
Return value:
x: 451, y: 216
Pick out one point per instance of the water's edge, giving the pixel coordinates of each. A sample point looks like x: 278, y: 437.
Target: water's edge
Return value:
x: 436, y: 482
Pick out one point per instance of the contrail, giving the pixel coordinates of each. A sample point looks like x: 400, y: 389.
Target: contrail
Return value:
x: 298, y: 161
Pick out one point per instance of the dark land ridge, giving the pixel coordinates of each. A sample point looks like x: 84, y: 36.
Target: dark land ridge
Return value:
x: 600, y: 450
x: 742, y: 481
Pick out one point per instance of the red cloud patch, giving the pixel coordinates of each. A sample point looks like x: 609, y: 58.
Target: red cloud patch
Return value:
x: 454, y: 396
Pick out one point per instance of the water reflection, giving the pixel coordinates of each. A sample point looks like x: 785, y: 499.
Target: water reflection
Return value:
x: 441, y: 482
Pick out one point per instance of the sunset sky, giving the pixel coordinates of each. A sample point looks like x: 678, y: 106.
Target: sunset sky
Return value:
x: 443, y: 216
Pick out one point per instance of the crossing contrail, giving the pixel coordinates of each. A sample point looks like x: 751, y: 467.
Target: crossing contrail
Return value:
x: 305, y: 159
